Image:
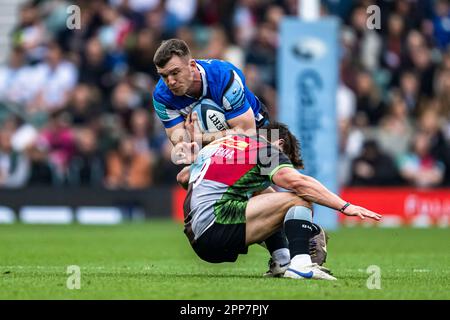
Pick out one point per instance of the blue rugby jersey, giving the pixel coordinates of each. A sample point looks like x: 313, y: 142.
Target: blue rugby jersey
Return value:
x: 222, y: 82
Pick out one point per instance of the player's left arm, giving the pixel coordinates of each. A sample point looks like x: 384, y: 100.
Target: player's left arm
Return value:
x: 244, y: 122
x: 238, y: 112
x: 312, y: 190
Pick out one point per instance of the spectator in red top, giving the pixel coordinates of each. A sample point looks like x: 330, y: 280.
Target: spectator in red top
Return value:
x: 58, y: 139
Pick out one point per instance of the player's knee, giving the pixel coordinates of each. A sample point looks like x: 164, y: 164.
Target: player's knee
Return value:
x: 299, y: 213
x: 296, y: 201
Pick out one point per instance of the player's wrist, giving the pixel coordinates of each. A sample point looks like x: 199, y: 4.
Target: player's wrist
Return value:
x: 344, y: 207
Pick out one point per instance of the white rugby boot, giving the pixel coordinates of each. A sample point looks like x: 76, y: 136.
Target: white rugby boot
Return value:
x: 312, y: 271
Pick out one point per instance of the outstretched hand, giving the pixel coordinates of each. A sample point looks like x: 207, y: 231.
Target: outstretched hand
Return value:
x: 361, y: 212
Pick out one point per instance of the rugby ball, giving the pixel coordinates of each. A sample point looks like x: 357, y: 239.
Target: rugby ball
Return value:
x: 211, y: 117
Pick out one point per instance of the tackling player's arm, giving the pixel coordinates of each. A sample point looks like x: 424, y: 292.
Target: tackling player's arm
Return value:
x: 312, y: 190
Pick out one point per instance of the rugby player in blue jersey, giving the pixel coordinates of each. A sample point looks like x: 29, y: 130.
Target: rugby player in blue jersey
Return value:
x: 184, y: 83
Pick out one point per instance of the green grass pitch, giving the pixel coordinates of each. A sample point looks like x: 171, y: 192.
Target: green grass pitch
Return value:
x: 153, y: 260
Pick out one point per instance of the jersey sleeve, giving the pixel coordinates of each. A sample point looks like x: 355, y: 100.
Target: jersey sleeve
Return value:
x: 233, y: 98
x: 169, y: 117
x: 270, y: 160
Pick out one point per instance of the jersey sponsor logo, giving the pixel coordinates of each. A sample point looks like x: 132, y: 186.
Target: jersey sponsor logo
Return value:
x: 231, y: 143
x: 240, y: 145
x: 224, y: 153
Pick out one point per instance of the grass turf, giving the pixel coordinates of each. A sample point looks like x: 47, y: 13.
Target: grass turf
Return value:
x: 154, y: 261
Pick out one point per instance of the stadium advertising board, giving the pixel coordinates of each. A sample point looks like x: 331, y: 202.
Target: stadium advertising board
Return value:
x: 308, y: 66
x: 402, y: 206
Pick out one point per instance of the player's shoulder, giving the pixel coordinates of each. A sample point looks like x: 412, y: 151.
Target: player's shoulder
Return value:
x: 211, y: 63
x: 216, y: 67
x: 162, y: 93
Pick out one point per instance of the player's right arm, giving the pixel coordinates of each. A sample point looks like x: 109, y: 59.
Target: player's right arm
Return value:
x: 312, y: 190
x: 177, y: 133
x: 172, y: 120
x: 179, y: 129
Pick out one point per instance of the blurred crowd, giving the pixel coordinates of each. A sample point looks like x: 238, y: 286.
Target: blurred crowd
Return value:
x: 75, y: 104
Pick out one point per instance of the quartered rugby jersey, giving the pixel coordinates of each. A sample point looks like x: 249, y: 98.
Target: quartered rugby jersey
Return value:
x: 230, y: 169
x: 222, y: 82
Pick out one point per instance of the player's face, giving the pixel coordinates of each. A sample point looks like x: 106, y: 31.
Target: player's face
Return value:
x: 178, y: 74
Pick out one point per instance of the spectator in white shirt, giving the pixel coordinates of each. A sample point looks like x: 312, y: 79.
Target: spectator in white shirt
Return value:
x: 15, y: 85
x: 54, y: 81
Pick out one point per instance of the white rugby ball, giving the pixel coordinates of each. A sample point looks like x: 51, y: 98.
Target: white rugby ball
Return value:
x: 211, y: 117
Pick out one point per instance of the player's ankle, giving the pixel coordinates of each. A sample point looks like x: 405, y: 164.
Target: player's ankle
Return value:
x: 281, y: 256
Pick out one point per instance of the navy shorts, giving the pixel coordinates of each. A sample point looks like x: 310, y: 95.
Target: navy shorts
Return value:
x: 221, y: 243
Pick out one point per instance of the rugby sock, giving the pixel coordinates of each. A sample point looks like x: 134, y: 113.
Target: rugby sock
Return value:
x: 276, y: 241
x: 298, y: 228
x: 278, y: 247
x: 282, y: 256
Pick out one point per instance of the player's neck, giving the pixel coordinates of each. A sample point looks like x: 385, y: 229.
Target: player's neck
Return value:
x: 196, y: 89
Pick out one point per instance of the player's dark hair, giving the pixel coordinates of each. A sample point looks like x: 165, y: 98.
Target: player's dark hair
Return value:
x: 168, y: 49
x: 291, y: 146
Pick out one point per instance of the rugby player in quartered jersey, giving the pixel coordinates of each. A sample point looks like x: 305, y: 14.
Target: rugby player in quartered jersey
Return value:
x: 223, y: 216
x: 225, y: 176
